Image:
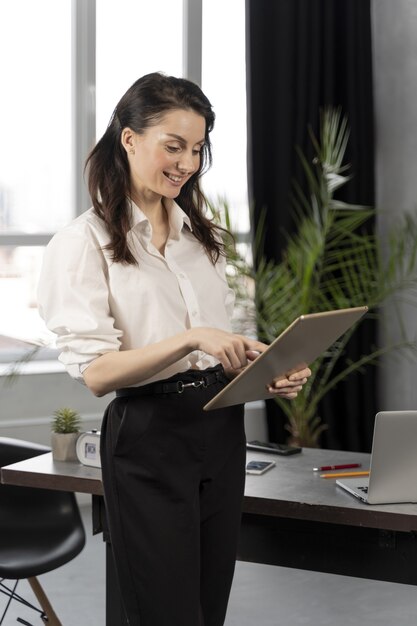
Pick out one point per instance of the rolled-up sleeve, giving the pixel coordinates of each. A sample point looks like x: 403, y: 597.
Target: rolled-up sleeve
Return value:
x: 73, y: 299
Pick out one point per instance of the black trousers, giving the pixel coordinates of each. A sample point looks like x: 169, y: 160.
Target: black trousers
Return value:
x: 173, y: 478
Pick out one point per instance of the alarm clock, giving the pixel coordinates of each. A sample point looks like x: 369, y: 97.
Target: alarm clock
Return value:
x: 88, y: 448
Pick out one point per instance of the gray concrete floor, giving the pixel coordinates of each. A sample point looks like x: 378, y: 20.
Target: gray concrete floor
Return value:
x: 261, y: 595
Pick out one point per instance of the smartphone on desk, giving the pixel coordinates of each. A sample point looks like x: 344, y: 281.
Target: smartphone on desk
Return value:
x: 259, y: 467
x: 275, y: 448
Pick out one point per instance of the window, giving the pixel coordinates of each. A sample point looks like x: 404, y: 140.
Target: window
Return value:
x: 35, y: 120
x: 140, y: 37
x: 35, y: 150
x: 19, y: 271
x: 224, y: 82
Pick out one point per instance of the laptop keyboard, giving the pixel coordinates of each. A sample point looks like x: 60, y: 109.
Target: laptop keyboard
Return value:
x: 364, y: 489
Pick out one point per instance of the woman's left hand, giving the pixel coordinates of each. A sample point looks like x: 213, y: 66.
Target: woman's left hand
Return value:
x: 286, y: 387
x: 290, y: 386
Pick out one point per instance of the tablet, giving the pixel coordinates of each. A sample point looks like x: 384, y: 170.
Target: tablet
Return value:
x: 296, y: 347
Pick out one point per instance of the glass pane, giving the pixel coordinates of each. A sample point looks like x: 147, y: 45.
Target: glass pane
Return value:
x: 19, y: 275
x: 137, y: 38
x: 224, y: 83
x: 35, y: 120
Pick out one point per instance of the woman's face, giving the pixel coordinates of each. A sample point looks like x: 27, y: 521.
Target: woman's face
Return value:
x: 166, y: 155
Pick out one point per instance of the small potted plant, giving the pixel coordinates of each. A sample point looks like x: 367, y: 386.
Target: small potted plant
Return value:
x: 65, y: 432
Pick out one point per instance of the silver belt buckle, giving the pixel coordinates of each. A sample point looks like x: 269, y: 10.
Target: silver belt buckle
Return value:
x: 198, y: 383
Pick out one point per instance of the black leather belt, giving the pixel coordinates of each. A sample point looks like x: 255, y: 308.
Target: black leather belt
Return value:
x: 177, y: 386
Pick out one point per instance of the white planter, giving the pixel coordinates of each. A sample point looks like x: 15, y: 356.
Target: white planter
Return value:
x: 64, y: 446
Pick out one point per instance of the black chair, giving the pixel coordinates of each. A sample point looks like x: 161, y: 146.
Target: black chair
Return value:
x: 40, y: 530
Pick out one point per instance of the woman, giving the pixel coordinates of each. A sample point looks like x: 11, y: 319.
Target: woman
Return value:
x: 135, y: 290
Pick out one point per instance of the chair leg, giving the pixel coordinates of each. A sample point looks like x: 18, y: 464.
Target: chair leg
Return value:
x: 44, y: 602
x: 9, y: 593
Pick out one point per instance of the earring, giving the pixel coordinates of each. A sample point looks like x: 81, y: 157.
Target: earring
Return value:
x: 132, y: 151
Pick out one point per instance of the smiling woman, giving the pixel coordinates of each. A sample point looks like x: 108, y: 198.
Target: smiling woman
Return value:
x: 149, y: 321
x: 136, y: 290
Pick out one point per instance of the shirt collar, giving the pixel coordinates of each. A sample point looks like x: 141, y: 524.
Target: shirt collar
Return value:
x: 177, y: 217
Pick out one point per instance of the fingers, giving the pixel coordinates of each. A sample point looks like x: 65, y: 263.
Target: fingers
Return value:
x: 252, y: 349
x: 285, y: 389
x: 287, y: 383
x: 231, y: 352
x: 236, y: 356
x: 287, y: 395
x: 253, y: 345
x: 289, y: 387
x: 301, y: 375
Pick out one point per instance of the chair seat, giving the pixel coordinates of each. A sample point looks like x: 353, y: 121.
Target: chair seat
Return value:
x: 22, y: 557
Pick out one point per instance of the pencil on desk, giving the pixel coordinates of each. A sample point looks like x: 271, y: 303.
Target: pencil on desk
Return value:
x: 344, y: 474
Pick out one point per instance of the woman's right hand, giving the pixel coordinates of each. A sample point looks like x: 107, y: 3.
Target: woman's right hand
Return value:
x: 230, y: 349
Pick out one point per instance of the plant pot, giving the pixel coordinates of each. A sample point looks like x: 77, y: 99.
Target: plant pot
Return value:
x: 303, y: 442
x: 64, y: 446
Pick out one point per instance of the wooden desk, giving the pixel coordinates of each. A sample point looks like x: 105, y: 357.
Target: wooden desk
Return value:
x: 291, y: 517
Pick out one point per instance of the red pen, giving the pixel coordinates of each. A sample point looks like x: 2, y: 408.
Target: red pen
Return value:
x: 325, y: 468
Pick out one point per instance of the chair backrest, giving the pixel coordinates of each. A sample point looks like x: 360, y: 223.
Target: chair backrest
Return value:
x: 20, y: 501
x: 31, y: 516
x: 15, y: 450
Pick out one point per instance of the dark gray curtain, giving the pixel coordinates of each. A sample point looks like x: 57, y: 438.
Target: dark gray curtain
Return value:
x: 303, y: 55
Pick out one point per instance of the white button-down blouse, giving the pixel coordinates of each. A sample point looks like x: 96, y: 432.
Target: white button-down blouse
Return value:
x: 95, y: 305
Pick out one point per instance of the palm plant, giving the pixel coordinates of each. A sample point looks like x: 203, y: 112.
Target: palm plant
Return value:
x: 333, y: 261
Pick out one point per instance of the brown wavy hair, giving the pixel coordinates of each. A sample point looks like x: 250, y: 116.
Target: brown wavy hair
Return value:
x: 143, y: 105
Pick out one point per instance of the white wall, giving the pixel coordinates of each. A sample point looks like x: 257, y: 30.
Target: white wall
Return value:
x: 395, y: 83
x: 27, y: 404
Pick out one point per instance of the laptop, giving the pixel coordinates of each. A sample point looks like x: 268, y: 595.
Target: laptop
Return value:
x: 393, y: 468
